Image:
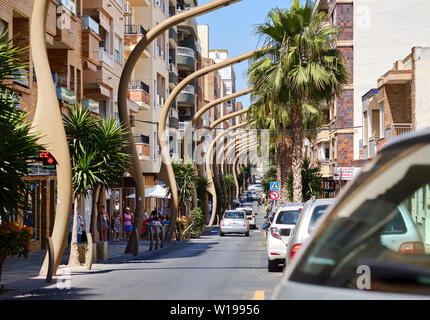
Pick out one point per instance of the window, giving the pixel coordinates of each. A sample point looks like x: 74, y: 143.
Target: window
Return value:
x: 288, y: 217
x: 318, y: 212
x: 155, y: 146
x: 234, y: 215
x: 3, y: 26
x: 117, y: 49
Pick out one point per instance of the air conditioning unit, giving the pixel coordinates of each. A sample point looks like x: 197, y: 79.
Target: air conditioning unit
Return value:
x: 184, y: 112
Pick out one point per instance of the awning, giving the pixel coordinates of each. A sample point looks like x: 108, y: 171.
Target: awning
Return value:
x: 156, y: 191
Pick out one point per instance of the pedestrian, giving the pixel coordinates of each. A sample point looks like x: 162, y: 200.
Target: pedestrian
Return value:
x: 145, y: 221
x: 104, y: 222
x: 154, y: 213
x: 80, y: 224
x: 128, y: 222
x: 116, y: 226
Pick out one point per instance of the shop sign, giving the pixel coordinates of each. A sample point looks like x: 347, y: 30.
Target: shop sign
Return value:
x: 345, y: 173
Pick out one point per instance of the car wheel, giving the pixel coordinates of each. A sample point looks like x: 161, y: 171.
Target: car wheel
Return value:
x: 247, y: 234
x: 272, y: 266
x: 221, y: 234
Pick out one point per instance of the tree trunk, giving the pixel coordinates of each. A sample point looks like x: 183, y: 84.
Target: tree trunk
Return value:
x: 74, y: 252
x: 94, y: 215
x: 283, y: 166
x: 2, y: 259
x: 297, y: 152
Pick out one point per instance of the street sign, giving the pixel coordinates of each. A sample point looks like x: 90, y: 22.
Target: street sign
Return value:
x: 274, y: 186
x: 274, y: 195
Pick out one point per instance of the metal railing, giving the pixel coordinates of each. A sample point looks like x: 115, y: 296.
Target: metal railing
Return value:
x: 189, y: 89
x: 371, y: 148
x: 138, y: 85
x: 184, y: 51
x: 397, y: 129
x: 134, y: 29
x: 69, y: 5
x: 90, y: 23
x: 106, y: 57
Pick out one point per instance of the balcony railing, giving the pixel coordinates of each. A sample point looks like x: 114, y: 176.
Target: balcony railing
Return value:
x: 21, y: 77
x: 120, y: 3
x: 184, y: 51
x: 134, y: 29
x: 138, y: 85
x: 91, y: 105
x: 66, y: 95
x: 371, y: 148
x: 173, y: 68
x: 90, y: 23
x: 396, y: 129
x: 189, y: 89
x: 182, y: 126
x: 106, y: 57
x: 69, y: 5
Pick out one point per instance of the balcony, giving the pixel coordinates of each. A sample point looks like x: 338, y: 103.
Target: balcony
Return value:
x: 187, y: 96
x: 190, y: 27
x: 186, y: 58
x: 138, y: 91
x: 105, y: 57
x: 371, y: 148
x: 397, y: 129
x: 324, y: 167
x: 65, y: 95
x: 90, y: 44
x: 323, y: 134
x: 132, y: 35
x: 90, y: 23
x: 173, y: 75
x: 91, y: 105
x: 67, y: 33
x: 173, y: 118
x: 69, y: 5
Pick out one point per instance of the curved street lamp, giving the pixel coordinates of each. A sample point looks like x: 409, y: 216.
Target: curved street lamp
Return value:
x: 162, y: 138
x: 227, y: 148
x: 233, y: 114
x: 209, y: 158
x: 48, y: 123
x: 216, y: 102
x: 135, y: 167
x: 246, y: 149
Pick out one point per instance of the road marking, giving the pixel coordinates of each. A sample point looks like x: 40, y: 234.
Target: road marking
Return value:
x: 259, y: 295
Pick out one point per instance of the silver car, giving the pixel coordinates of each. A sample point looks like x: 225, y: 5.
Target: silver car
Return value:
x: 312, y: 211
x: 374, y: 242
x: 234, y: 221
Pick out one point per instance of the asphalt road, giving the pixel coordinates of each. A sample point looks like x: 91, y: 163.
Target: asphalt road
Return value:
x: 211, y: 268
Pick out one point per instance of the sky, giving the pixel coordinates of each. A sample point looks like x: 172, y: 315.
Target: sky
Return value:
x: 233, y: 28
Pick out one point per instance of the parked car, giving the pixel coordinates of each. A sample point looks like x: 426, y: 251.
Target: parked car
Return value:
x: 371, y: 238
x: 313, y: 209
x: 255, y: 187
x: 278, y: 234
x: 250, y: 215
x: 234, y: 221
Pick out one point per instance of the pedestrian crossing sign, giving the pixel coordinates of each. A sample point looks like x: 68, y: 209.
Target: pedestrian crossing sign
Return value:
x: 274, y: 186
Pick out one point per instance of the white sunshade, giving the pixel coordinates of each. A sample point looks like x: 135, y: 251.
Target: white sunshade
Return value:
x: 156, y: 191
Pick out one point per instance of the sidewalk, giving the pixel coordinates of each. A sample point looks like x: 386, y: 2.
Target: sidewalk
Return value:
x: 20, y: 275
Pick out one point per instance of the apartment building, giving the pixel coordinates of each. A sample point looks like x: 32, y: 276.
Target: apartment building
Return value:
x: 229, y: 77
x: 399, y: 104
x: 149, y: 85
x: 369, y: 43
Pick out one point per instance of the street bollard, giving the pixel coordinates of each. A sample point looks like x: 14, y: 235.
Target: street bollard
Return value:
x: 136, y: 248
x: 162, y: 237
x: 157, y: 237
x: 51, y: 259
x: 151, y: 237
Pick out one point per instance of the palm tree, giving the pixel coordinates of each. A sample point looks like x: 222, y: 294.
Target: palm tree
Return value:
x: 186, y: 178
x: 230, y: 187
x: 297, y: 67
x: 312, y: 180
x: 97, y: 156
x: 17, y: 145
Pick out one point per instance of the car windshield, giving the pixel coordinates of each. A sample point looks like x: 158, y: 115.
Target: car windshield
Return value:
x: 383, y: 233
x: 234, y: 215
x: 316, y: 214
x: 288, y: 217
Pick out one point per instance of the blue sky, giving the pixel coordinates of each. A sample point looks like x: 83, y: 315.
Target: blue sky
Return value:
x: 233, y: 28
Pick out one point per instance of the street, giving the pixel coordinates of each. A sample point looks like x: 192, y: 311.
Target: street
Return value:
x: 233, y: 267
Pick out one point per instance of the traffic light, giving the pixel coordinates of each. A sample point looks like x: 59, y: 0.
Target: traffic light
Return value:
x: 48, y: 159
